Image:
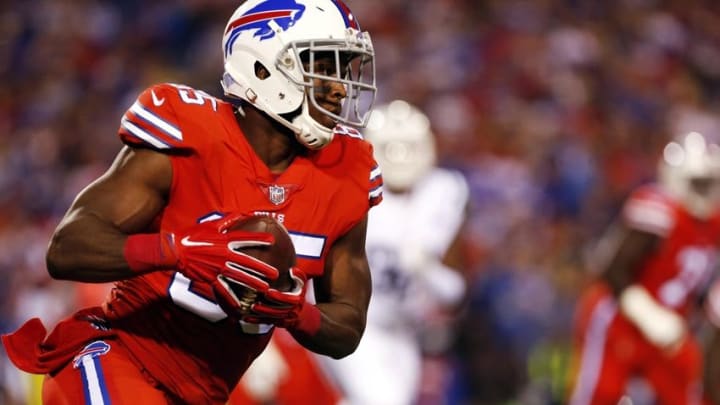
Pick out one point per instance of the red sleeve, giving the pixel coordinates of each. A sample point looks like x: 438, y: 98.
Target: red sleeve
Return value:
x: 375, y: 195
x: 152, y: 121
x: 650, y: 210
x: 367, y: 161
x: 350, y: 157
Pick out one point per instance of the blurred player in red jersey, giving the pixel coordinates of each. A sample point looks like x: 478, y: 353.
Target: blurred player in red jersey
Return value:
x: 711, y: 382
x: 160, y: 221
x: 634, y: 321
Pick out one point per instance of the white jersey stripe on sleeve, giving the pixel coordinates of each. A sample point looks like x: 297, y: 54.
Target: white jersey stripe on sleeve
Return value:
x: 145, y: 136
x: 156, y: 121
x: 375, y: 173
x: 649, y: 216
x: 376, y: 192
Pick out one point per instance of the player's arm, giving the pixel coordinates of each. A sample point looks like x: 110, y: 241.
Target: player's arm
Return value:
x: 449, y: 281
x: 660, y: 325
x: 712, y: 368
x: 343, y: 296
x: 88, y: 244
x: 100, y: 238
x: 631, y: 249
x: 711, y: 374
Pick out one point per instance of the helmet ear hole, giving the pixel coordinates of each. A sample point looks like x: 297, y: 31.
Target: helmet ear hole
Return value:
x: 261, y: 72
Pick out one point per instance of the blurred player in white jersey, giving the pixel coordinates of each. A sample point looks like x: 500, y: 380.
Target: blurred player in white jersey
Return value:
x: 409, y: 244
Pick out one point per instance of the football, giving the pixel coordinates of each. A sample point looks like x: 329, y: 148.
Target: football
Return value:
x: 280, y: 255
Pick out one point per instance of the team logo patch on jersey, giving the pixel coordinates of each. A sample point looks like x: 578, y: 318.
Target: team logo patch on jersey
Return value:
x: 94, y: 349
x: 276, y: 194
x: 284, y: 13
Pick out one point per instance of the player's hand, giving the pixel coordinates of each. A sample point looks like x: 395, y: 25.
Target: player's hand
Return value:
x: 281, y: 308
x: 661, y: 326
x: 209, y: 251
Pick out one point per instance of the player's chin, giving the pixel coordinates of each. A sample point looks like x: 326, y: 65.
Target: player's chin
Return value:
x: 326, y: 117
x: 328, y: 122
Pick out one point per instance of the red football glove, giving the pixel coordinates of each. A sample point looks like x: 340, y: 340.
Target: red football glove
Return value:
x: 287, y: 309
x: 280, y: 308
x: 207, y: 252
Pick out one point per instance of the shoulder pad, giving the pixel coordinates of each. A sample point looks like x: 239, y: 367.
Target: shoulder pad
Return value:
x: 343, y: 130
x: 159, y: 116
x: 151, y: 120
x: 650, y: 210
x: 366, y: 156
x: 352, y: 156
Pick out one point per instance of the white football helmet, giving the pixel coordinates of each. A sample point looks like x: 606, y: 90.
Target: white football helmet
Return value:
x: 272, y: 34
x: 404, y: 143
x: 690, y: 171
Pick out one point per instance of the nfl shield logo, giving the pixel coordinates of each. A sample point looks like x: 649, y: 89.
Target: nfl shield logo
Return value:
x: 276, y: 194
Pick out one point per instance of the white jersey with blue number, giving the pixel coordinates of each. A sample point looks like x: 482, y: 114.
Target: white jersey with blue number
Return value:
x: 385, y: 368
x: 428, y: 218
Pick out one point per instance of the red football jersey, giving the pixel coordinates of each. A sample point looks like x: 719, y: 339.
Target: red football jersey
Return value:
x: 609, y: 349
x: 683, y: 262
x: 171, y: 325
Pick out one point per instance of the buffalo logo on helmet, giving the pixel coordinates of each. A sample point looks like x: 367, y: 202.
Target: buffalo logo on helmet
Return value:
x: 284, y: 13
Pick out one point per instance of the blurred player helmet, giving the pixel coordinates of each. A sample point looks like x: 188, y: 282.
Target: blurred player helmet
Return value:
x: 690, y: 171
x: 279, y: 35
x: 404, y: 143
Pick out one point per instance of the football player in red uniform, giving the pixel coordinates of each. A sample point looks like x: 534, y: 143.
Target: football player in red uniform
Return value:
x: 633, y: 322
x: 160, y: 222
x: 711, y: 381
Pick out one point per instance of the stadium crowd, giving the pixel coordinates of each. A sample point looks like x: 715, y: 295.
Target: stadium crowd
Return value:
x: 553, y: 109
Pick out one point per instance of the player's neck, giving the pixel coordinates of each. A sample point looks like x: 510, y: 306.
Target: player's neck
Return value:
x: 274, y: 144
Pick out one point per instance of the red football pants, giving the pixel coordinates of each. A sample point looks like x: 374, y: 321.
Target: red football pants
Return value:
x: 610, y: 351
x: 101, y: 374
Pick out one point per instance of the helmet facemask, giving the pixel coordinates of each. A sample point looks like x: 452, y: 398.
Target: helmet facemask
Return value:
x: 349, y: 62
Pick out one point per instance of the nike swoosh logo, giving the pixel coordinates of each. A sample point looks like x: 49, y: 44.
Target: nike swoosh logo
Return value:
x: 157, y: 101
x: 187, y: 242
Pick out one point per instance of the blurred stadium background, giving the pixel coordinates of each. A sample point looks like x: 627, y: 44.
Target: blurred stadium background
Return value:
x: 553, y: 109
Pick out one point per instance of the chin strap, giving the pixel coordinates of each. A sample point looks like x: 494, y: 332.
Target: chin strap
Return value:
x: 309, y: 132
